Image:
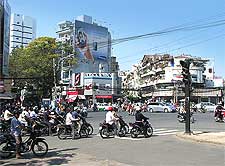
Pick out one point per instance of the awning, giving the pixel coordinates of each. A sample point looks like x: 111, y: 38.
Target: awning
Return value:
x: 71, y: 98
x: 6, y: 96
x: 82, y: 97
x: 103, y: 96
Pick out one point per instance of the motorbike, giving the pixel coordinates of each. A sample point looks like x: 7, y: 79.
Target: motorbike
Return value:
x: 182, y: 118
x: 136, y: 130
x: 220, y: 116
x: 4, y: 126
x: 34, y: 143
x: 106, y: 130
x: 87, y: 125
x: 65, y: 131
x: 123, y: 127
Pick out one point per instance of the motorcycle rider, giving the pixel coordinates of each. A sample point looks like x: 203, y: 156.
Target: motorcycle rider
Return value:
x: 16, y: 127
x: 218, y: 112
x: 71, y: 121
x: 111, y: 119
x: 140, y: 120
x: 7, y: 114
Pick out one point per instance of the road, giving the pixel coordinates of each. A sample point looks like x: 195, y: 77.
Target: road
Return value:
x: 163, y: 149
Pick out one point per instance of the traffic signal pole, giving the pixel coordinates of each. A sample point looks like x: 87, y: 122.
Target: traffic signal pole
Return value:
x: 187, y: 109
x: 187, y: 82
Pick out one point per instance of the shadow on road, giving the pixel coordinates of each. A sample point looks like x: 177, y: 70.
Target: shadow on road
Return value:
x: 54, y: 157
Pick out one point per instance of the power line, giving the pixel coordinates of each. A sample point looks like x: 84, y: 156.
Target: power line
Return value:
x: 162, y: 32
x: 188, y: 45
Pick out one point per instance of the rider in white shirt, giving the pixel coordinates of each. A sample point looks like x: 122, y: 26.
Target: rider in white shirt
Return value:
x: 111, y: 119
x: 73, y: 122
x: 7, y: 115
x: 24, y: 116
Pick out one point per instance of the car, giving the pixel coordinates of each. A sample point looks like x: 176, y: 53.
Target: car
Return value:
x: 210, y: 107
x: 102, y: 106
x: 159, y: 107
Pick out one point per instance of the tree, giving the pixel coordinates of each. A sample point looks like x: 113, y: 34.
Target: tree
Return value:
x: 36, y: 63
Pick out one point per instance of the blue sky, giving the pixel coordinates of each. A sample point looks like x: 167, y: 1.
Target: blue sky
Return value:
x: 130, y: 17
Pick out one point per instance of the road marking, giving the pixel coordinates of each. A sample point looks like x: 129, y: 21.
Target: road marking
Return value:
x: 156, y: 132
x: 165, y: 132
x: 159, y: 129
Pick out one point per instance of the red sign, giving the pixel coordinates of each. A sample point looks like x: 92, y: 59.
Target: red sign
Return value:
x: 103, y: 97
x: 72, y: 92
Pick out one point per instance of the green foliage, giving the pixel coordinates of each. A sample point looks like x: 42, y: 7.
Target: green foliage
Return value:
x: 36, y: 61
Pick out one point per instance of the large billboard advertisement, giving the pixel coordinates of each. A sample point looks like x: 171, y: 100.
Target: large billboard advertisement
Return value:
x: 92, y: 44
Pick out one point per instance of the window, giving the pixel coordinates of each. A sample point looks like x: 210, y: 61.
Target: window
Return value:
x: 210, y: 70
x: 95, y: 46
x: 66, y: 75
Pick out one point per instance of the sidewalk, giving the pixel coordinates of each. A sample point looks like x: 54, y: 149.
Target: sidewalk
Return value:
x: 205, y: 137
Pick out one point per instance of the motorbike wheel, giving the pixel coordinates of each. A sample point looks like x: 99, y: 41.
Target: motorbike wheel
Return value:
x: 149, y: 131
x: 135, y: 131
x: 83, y: 132
x: 90, y: 129
x: 39, y: 148
x: 62, y: 133
x: 127, y: 129
x: 104, y: 133
x: 4, y: 153
x: 122, y: 132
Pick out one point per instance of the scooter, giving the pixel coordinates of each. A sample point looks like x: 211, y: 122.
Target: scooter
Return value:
x: 106, y: 130
x: 220, y: 116
x: 136, y: 130
x: 182, y: 118
x: 34, y: 143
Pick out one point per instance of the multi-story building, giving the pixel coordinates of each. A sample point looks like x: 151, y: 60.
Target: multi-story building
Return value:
x: 92, y: 46
x: 90, y: 41
x: 22, y: 30
x: 4, y: 42
x: 160, y: 76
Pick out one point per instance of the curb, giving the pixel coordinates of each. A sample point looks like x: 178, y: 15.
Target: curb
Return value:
x: 197, y: 139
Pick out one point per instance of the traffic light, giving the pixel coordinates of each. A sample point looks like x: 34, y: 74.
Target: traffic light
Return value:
x: 185, y: 72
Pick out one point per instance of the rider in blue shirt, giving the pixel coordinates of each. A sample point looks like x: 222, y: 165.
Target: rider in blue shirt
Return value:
x: 16, y: 127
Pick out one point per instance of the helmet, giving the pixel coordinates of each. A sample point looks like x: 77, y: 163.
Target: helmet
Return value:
x: 110, y: 108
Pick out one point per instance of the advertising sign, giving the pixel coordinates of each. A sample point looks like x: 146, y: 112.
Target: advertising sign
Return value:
x: 91, y: 41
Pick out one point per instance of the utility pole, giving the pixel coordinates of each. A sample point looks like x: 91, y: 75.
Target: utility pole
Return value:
x: 54, y: 75
x: 187, y: 82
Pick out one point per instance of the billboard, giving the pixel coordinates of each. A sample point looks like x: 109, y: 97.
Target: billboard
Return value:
x: 92, y: 44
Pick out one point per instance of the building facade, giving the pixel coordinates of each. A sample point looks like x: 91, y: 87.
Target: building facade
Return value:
x: 22, y: 30
x: 91, y: 43
x: 95, y: 66
x: 5, y: 12
x: 160, y: 77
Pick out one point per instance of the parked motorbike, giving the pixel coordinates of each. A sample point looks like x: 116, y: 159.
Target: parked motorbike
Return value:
x: 136, y: 130
x: 34, y: 143
x: 182, y: 117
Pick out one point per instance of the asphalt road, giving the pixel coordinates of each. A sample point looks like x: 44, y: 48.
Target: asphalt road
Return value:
x: 162, y: 149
